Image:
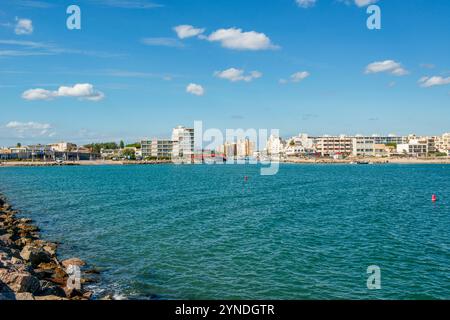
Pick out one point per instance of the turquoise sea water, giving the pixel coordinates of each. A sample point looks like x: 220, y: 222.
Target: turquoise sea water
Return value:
x: 203, y: 232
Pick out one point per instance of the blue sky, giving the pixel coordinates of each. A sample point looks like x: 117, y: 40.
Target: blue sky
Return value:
x: 251, y: 64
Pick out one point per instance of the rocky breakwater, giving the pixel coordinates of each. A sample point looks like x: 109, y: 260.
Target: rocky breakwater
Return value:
x: 29, y: 267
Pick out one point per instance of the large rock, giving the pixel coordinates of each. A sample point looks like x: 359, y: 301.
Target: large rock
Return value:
x: 35, y: 255
x: 49, y: 289
x: 24, y: 296
x: 19, y: 281
x: 49, y: 298
x: 74, y: 262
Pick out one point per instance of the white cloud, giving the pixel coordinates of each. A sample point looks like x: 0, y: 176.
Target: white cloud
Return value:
x: 163, y: 42
x: 428, y: 82
x: 364, y: 3
x: 234, y: 38
x: 235, y: 75
x: 389, y: 66
x: 296, y: 77
x: 23, y: 27
x: 82, y: 91
x: 128, y: 4
x: 187, y: 31
x: 29, y: 129
x: 299, y: 76
x: 195, y: 89
x: 306, y: 3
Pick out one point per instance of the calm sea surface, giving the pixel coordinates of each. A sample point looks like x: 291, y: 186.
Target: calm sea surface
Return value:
x: 203, y: 232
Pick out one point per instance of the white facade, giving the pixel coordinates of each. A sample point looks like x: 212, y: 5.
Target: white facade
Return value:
x: 245, y: 148
x: 414, y: 148
x: 363, y: 146
x: 443, y: 143
x: 275, y: 146
x: 157, y: 148
x: 183, y: 144
x: 63, y: 146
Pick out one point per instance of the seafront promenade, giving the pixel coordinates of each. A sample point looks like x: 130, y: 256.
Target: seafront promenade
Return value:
x: 289, y: 160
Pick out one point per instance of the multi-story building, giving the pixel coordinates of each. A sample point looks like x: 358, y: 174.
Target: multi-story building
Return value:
x: 230, y: 149
x: 63, y: 146
x: 183, y: 144
x: 157, y: 148
x: 363, y: 146
x: 337, y: 145
x: 389, y: 139
x: 414, y: 148
x: 245, y: 148
x: 275, y: 146
x: 443, y: 143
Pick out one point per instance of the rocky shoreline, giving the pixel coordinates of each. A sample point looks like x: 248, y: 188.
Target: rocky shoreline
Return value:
x: 29, y: 267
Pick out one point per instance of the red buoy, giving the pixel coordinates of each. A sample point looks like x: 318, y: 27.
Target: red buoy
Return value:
x: 433, y: 198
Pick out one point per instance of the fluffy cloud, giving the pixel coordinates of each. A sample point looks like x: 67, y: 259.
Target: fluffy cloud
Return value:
x: 29, y: 129
x: 428, y: 82
x: 364, y: 3
x: 236, y: 39
x: 296, y: 77
x: 187, y: 31
x: 195, y: 89
x: 235, y: 75
x: 305, y: 3
x: 82, y: 91
x: 163, y: 42
x: 23, y: 26
x: 389, y: 66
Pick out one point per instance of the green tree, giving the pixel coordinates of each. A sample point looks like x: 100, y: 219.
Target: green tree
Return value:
x: 19, y: 144
x: 129, y: 153
x: 121, y: 144
x: 136, y: 145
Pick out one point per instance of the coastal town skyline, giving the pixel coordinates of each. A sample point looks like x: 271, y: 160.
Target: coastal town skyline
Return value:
x: 173, y: 62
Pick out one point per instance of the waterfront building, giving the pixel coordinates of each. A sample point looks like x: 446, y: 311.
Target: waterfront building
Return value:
x: 245, y: 148
x: 390, y: 139
x: 414, y: 148
x: 275, y: 146
x: 183, y: 144
x: 230, y: 149
x: 332, y: 145
x: 443, y: 143
x: 157, y: 148
x: 63, y: 146
x: 363, y: 146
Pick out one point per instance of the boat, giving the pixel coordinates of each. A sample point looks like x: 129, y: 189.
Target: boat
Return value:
x: 363, y: 162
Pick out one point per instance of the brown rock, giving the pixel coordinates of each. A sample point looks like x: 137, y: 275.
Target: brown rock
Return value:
x: 49, y: 298
x: 34, y: 255
x: 20, y: 281
x: 73, y: 261
x: 49, y: 289
x: 72, y: 293
x: 24, y: 296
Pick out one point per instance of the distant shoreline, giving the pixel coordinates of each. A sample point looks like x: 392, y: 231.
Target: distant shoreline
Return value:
x: 9, y: 164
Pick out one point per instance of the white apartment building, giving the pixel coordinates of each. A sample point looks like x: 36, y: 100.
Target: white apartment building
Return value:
x: 157, y: 148
x: 443, y: 143
x: 363, y: 146
x: 337, y: 145
x: 275, y: 146
x: 415, y: 148
x: 245, y: 148
x: 63, y: 146
x: 183, y: 144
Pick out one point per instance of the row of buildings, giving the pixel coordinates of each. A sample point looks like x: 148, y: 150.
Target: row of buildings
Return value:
x: 55, y: 151
x: 359, y: 146
x: 181, y: 148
